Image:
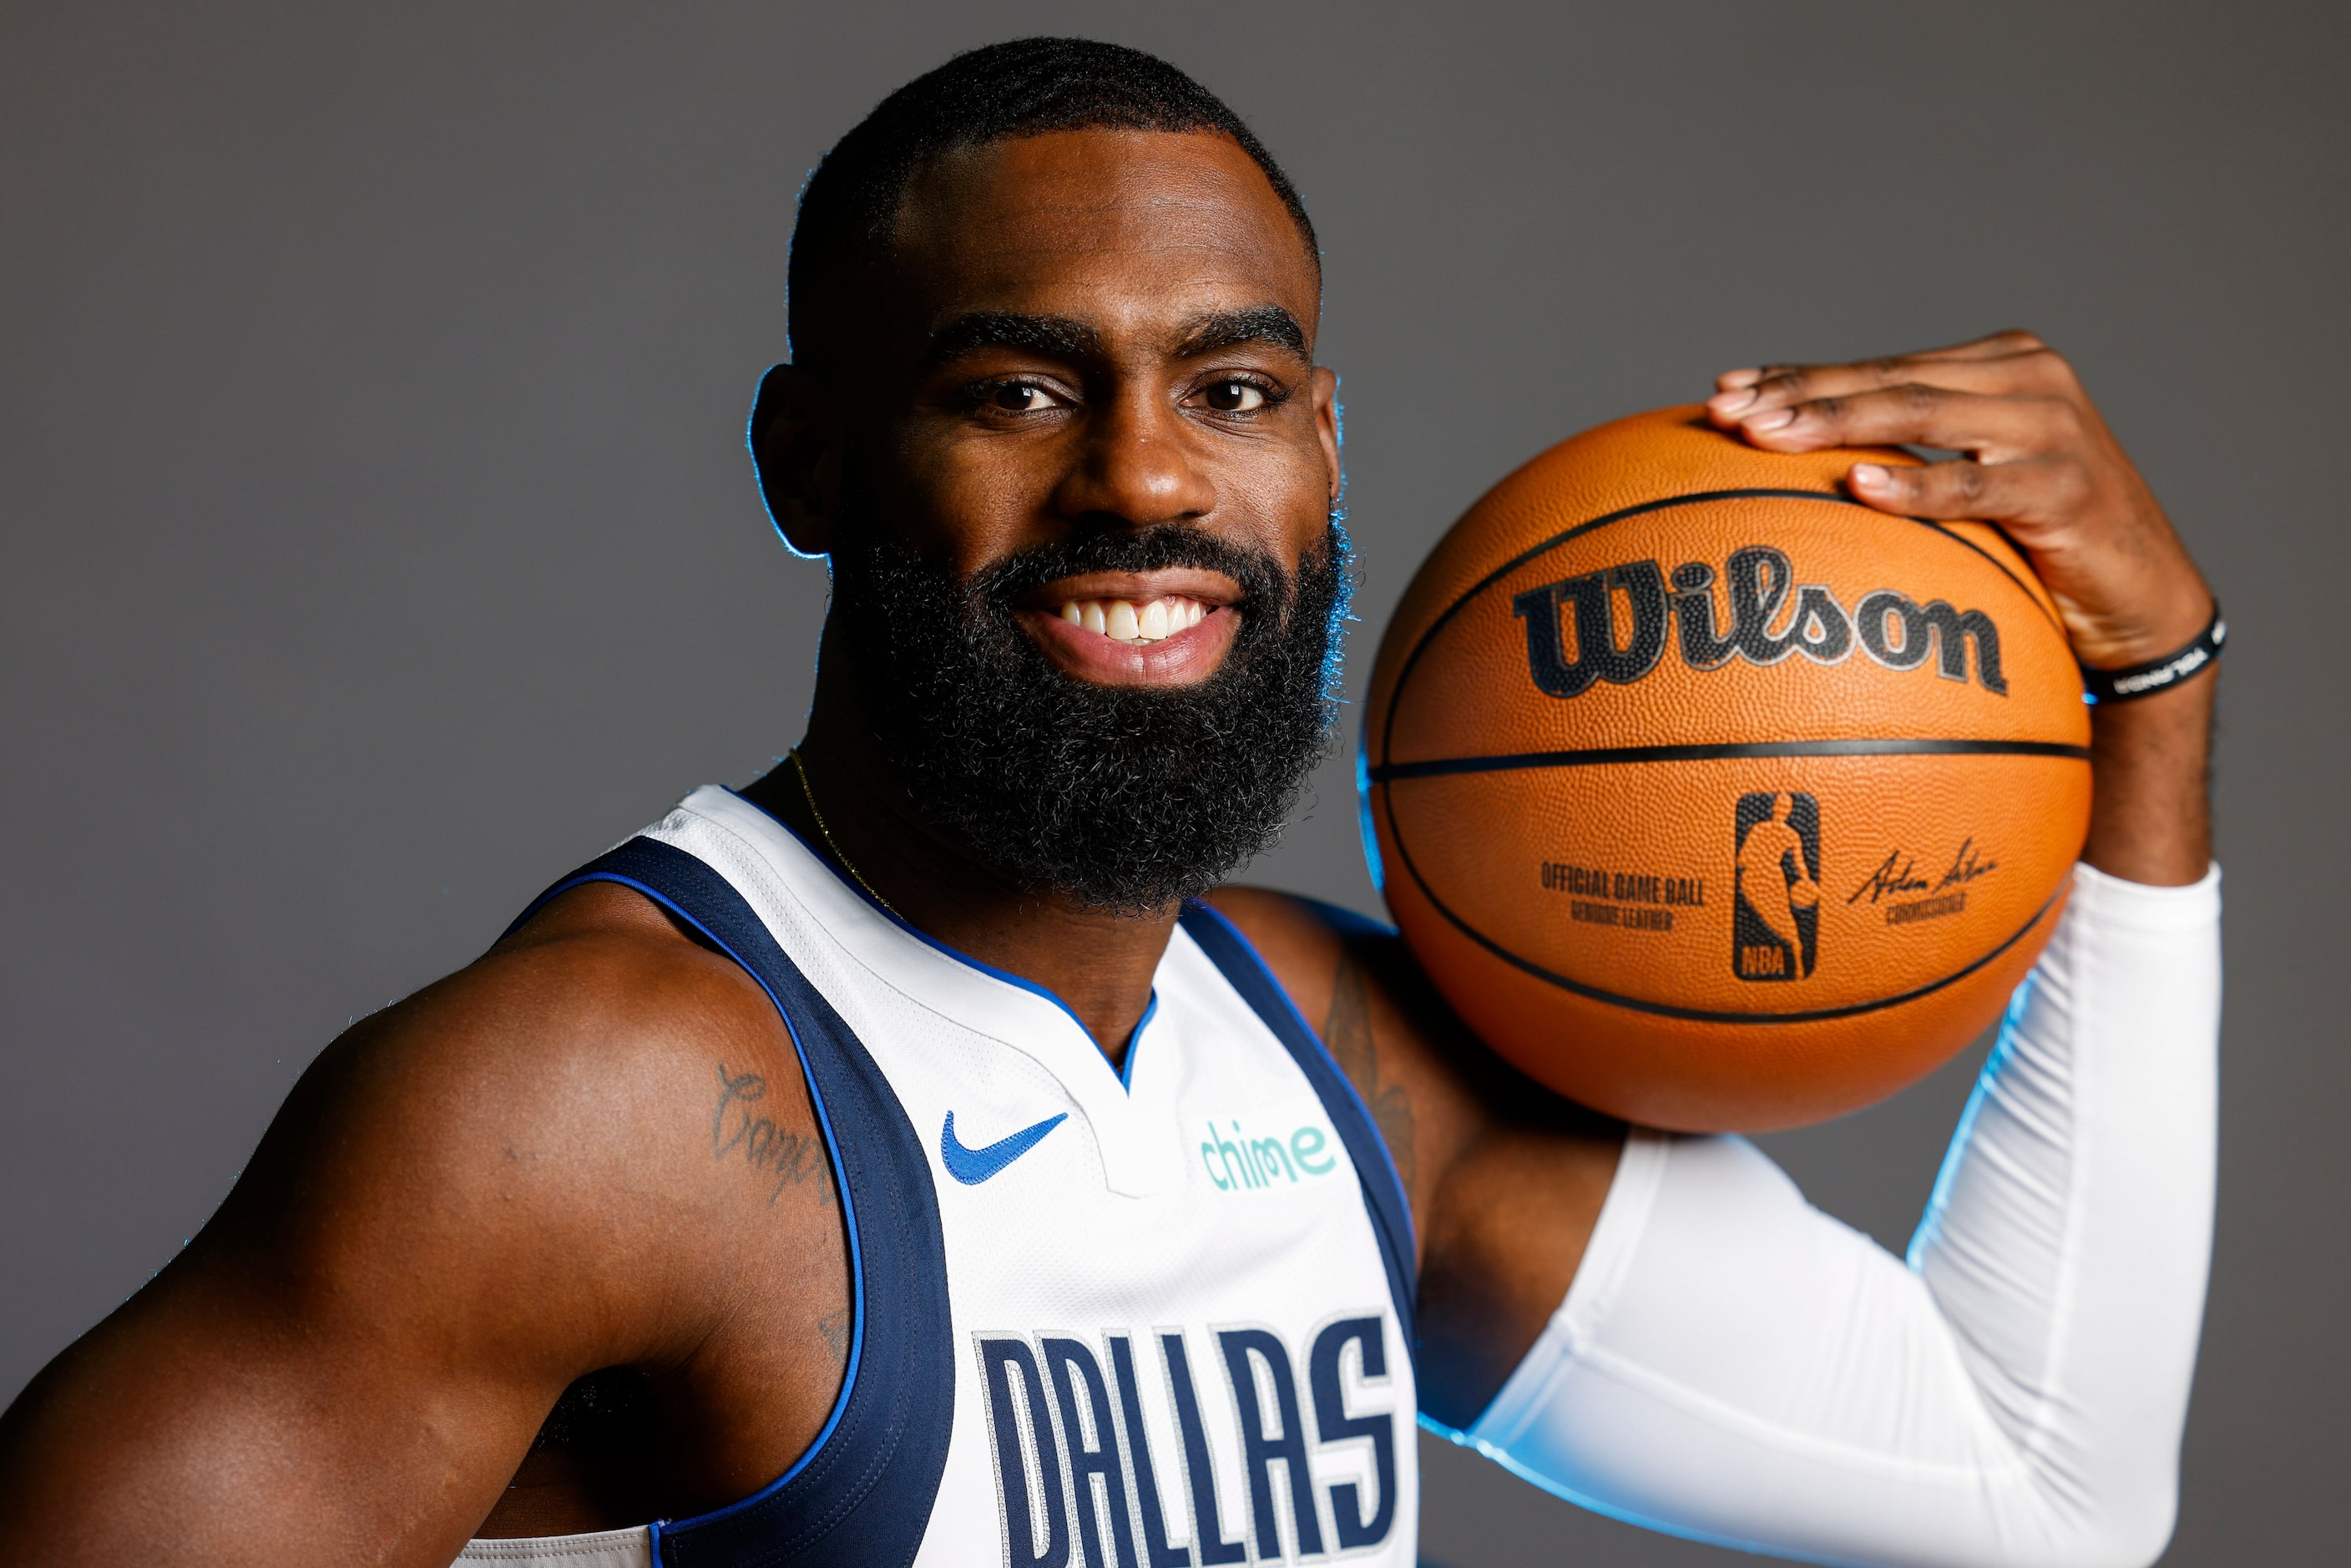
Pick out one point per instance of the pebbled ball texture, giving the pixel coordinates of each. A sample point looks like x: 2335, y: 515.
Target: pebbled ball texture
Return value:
x: 1711, y: 798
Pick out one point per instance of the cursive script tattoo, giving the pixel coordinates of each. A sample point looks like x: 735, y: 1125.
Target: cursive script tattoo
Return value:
x: 1965, y: 867
x: 1891, y: 877
x: 834, y: 1327
x: 791, y: 1158
x: 1347, y: 1032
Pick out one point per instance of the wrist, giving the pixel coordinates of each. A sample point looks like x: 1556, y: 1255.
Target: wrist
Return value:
x: 2160, y: 624
x: 2150, y: 811
x: 2107, y: 685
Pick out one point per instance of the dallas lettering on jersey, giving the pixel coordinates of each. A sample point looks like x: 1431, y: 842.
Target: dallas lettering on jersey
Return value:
x: 1759, y: 583
x: 1083, y: 1484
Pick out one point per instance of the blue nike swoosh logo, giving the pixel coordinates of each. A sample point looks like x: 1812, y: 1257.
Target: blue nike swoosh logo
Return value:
x: 973, y: 1166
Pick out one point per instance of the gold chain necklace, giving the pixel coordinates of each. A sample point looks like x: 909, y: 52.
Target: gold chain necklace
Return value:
x: 833, y: 844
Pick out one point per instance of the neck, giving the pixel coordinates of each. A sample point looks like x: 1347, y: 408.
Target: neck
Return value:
x: 863, y: 823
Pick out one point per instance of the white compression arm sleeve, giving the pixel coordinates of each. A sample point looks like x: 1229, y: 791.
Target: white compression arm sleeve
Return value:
x: 1733, y: 1365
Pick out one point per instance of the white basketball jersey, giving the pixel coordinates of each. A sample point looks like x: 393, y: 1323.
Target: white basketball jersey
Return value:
x: 1159, y: 1320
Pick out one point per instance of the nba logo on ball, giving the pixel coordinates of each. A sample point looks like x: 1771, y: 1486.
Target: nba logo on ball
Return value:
x: 1775, y: 924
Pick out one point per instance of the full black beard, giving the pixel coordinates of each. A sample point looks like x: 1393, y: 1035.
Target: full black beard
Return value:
x: 1116, y: 798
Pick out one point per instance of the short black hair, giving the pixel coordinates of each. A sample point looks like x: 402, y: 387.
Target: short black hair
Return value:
x: 1025, y: 86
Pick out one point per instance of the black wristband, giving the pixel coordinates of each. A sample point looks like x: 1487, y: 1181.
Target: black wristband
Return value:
x: 2137, y: 681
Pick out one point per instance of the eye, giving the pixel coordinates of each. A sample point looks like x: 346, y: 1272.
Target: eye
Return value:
x: 1017, y: 397
x: 1234, y: 396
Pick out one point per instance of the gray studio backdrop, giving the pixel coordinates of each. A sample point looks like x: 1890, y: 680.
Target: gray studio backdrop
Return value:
x: 376, y: 541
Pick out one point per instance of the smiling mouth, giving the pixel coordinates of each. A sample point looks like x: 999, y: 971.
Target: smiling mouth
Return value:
x: 1136, y: 623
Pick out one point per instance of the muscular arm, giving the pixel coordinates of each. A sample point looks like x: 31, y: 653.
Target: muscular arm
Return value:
x: 1508, y: 1179
x: 1691, y: 1346
x: 530, y: 1171
x: 1728, y: 1363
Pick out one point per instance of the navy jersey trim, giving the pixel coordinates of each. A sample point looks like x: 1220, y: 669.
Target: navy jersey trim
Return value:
x: 1125, y: 1074
x: 916, y: 932
x: 1134, y: 1041
x: 863, y: 1490
x: 1239, y: 961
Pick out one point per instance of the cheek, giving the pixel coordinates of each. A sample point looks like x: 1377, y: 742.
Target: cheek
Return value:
x: 968, y: 501
x: 1286, y: 489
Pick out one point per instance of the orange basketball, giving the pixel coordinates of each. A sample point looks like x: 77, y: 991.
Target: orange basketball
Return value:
x: 1709, y: 796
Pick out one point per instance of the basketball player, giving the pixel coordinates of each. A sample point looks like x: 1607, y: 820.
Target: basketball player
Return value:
x: 896, y: 1160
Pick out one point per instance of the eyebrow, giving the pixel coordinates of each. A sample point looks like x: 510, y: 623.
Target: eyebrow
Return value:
x: 1257, y: 324
x: 1066, y: 337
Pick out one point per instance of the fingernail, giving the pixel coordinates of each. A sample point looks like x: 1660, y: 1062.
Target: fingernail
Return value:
x: 1771, y: 421
x: 1870, y: 476
x: 1746, y: 378
x: 1731, y: 403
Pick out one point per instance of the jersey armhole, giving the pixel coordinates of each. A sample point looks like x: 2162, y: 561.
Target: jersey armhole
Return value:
x: 888, y: 1427
x: 1236, y: 958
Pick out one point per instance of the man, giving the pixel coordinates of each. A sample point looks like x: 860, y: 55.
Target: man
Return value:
x: 895, y: 1161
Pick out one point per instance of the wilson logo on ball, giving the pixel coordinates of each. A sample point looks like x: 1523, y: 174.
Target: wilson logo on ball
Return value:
x: 1892, y: 628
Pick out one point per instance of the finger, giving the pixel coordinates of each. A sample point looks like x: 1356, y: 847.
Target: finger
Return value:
x: 1997, y: 345
x: 2007, y: 362
x: 2024, y: 492
x: 1995, y: 428
x: 1780, y: 388
x: 2005, y: 345
x: 1786, y: 383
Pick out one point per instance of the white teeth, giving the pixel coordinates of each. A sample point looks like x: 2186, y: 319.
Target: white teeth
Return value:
x: 1124, y: 620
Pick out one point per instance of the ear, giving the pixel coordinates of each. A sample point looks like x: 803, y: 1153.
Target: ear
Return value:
x: 795, y: 439
x: 1326, y: 423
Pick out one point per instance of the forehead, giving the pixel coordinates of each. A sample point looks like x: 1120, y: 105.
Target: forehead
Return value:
x: 1126, y: 229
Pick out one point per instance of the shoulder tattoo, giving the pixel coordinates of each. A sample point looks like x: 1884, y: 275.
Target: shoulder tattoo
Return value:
x: 780, y: 1157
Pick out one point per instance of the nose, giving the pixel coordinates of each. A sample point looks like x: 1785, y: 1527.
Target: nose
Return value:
x: 1136, y: 464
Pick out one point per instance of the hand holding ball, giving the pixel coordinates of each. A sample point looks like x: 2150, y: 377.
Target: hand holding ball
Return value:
x: 1711, y: 798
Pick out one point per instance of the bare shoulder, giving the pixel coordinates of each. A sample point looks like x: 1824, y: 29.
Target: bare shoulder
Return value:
x: 1386, y: 1024
x: 1355, y: 980
x: 1375, y: 1007
x: 544, y: 1089
x: 1398, y: 1042
x: 1505, y: 1177
x: 591, y: 1148
x: 1302, y: 941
